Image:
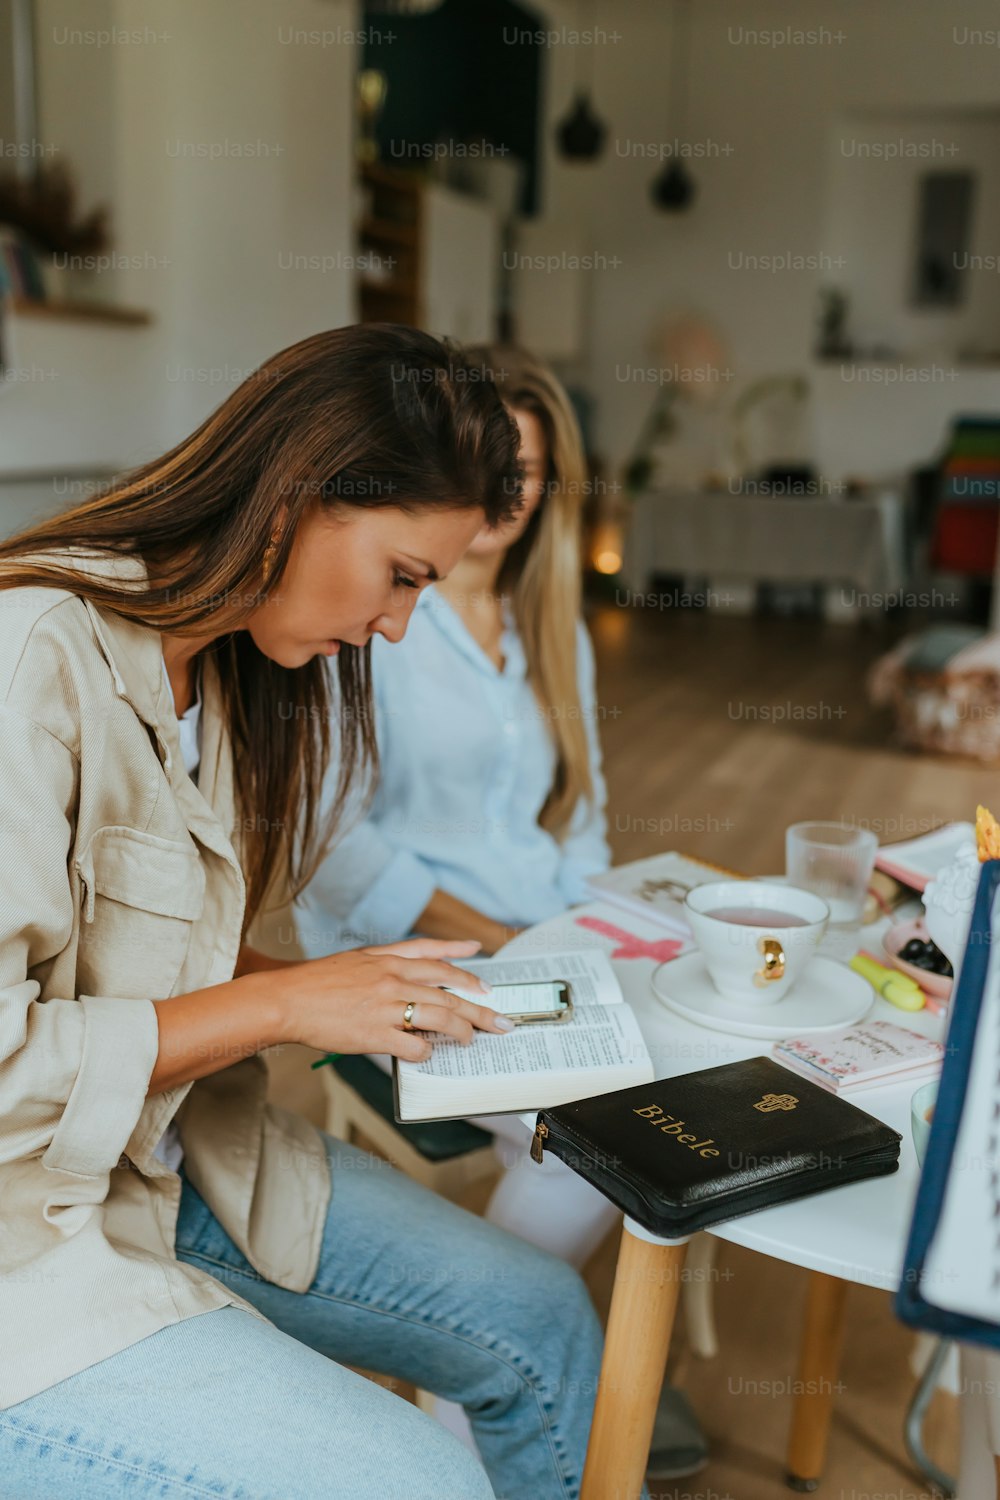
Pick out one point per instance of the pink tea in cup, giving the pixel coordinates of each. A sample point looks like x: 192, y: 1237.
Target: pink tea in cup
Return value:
x: 757, y: 916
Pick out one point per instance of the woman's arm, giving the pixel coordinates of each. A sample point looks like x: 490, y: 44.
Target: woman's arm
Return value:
x: 364, y: 891
x: 73, y: 1068
x: 400, y: 898
x: 445, y: 915
x: 348, y: 1002
x: 207, y: 1030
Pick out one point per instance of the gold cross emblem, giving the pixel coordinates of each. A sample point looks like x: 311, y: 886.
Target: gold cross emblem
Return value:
x: 776, y: 1101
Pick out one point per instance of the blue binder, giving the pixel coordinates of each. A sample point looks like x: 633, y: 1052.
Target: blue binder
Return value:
x: 914, y: 1304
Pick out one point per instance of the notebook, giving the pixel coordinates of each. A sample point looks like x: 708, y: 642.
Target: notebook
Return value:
x: 915, y: 862
x: 950, y: 1281
x: 537, y: 1064
x: 870, y: 1055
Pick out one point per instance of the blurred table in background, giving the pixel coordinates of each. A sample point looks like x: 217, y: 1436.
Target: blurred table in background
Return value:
x: 857, y: 549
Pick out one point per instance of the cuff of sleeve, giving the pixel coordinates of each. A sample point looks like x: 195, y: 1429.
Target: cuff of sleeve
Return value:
x: 120, y: 1046
x: 575, y: 875
x: 573, y: 887
x: 390, y: 907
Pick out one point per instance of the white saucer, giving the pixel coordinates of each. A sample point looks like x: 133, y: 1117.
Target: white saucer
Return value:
x: 827, y: 996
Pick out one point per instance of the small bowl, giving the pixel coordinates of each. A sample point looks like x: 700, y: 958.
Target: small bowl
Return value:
x: 938, y: 985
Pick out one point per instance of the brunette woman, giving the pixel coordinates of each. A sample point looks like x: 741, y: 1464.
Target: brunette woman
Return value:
x: 185, y: 1270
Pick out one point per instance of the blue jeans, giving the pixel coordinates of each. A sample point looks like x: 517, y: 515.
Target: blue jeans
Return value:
x: 226, y: 1406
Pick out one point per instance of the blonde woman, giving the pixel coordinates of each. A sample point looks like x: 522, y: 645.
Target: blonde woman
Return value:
x: 186, y: 1271
x: 488, y: 815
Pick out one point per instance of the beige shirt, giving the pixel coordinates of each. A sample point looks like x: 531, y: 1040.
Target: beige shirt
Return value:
x: 120, y: 885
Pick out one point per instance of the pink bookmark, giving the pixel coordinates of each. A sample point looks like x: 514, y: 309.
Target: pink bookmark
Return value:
x: 631, y: 946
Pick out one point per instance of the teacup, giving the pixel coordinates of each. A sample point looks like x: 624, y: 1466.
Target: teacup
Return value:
x: 755, y: 962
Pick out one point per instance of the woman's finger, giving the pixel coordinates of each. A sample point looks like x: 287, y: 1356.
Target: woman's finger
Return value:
x: 442, y: 1020
x: 483, y: 1017
x: 436, y: 972
x: 431, y: 948
x: 405, y: 1045
x: 431, y: 1004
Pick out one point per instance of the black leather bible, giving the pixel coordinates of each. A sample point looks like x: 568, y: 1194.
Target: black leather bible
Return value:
x: 684, y: 1153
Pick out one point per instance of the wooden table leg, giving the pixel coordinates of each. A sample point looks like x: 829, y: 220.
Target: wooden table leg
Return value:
x: 643, y: 1303
x: 819, y: 1358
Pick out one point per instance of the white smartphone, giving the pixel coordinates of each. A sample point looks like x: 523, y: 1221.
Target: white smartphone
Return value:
x: 550, y: 1001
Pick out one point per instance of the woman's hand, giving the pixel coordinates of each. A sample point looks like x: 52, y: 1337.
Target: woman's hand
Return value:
x: 355, y: 1001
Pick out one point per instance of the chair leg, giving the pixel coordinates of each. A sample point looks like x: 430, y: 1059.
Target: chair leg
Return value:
x: 819, y: 1357
x: 913, y: 1427
x: 643, y: 1304
x: 699, y: 1296
x: 423, y: 1400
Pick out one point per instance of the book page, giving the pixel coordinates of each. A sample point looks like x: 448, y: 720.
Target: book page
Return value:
x: 587, y: 971
x: 599, y: 1037
x: 927, y: 855
x: 531, y: 1068
x: 678, y: 870
x: 962, y: 1268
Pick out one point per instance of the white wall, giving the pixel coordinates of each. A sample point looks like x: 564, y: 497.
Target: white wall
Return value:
x: 222, y: 139
x: 128, y: 117
x: 459, y: 265
x: 871, y: 225
x: 765, y: 115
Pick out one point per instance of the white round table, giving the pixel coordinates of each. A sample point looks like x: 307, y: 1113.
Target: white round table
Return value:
x: 853, y: 1233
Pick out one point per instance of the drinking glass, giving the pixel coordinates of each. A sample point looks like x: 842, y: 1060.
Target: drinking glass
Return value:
x: 835, y: 861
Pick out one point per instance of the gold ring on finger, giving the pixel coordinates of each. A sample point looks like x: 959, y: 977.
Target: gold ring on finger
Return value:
x: 410, y: 1007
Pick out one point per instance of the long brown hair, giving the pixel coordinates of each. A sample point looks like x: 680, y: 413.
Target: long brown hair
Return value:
x: 542, y: 571
x: 375, y: 414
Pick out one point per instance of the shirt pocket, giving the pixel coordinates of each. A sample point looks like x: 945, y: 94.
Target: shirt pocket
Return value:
x: 140, y: 897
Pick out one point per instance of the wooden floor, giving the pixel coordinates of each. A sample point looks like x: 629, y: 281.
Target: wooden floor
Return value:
x: 717, y: 733
x: 720, y: 732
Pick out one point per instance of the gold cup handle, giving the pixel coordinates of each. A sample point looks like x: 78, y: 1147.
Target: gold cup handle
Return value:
x: 774, y: 961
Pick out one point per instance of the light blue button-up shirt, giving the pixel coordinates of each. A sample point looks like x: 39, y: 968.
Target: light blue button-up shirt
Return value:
x: 467, y: 764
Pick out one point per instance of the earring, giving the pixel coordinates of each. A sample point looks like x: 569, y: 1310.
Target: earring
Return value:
x: 270, y: 553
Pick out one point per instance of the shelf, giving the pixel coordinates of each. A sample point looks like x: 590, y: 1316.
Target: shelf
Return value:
x: 89, y: 312
x: 391, y: 177
x: 388, y: 230
x: 390, y: 227
x: 908, y: 361
x: 388, y: 288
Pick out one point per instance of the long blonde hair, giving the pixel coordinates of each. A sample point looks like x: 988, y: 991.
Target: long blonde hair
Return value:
x: 542, y: 572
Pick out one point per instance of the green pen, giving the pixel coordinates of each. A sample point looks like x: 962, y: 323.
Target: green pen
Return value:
x: 329, y: 1058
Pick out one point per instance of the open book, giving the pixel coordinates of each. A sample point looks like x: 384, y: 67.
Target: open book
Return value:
x: 915, y: 862
x: 655, y: 888
x: 538, y: 1064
